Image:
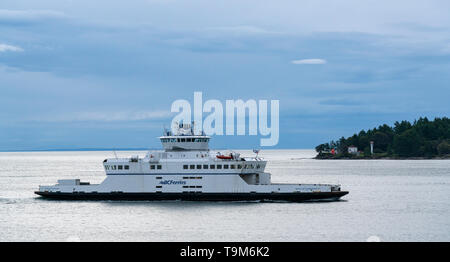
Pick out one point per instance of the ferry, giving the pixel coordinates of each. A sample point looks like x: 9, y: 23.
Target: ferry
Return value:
x: 188, y: 170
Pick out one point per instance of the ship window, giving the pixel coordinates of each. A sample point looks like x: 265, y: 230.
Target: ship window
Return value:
x: 152, y: 166
x: 198, y: 186
x: 258, y: 166
x: 183, y: 139
x: 178, y: 140
x: 225, y: 166
x: 185, y: 166
x: 199, y: 177
x: 212, y: 166
x: 107, y: 167
x: 188, y: 140
x: 158, y: 166
x: 159, y: 177
x: 127, y: 167
x: 239, y: 166
x: 219, y: 166
x: 192, y: 177
x: 205, y: 166
x: 120, y: 167
x: 199, y: 166
x: 113, y: 167
x: 192, y: 186
x: 185, y: 186
x: 192, y: 167
x: 158, y: 186
x: 233, y: 167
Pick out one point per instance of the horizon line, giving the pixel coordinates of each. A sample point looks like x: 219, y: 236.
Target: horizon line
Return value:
x: 123, y: 149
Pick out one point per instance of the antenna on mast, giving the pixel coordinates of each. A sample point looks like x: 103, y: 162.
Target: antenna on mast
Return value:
x: 256, y: 151
x: 115, y: 153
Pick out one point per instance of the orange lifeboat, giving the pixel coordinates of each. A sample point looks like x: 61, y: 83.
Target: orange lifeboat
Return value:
x: 224, y: 157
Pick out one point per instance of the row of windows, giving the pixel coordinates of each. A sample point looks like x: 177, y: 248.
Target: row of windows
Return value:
x: 165, y: 140
x: 251, y: 166
x: 117, y: 167
x: 153, y: 167
x: 192, y: 177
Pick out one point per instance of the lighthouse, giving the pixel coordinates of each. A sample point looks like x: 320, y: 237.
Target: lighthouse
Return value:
x: 371, y: 147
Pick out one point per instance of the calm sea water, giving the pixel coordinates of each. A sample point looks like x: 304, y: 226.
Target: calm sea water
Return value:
x: 389, y: 200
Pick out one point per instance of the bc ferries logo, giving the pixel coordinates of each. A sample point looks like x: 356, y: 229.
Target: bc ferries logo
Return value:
x: 172, y: 182
x: 255, y: 111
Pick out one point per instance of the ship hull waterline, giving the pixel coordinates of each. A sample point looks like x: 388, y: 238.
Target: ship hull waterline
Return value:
x: 193, y: 196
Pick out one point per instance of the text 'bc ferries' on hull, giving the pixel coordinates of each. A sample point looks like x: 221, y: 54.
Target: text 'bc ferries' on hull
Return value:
x: 187, y: 170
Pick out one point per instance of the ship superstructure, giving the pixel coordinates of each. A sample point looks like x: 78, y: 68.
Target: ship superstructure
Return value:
x: 186, y: 169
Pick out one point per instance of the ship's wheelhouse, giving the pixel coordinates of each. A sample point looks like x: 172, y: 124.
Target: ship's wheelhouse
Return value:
x: 185, y: 143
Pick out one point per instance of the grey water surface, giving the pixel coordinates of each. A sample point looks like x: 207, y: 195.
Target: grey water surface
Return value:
x: 389, y: 200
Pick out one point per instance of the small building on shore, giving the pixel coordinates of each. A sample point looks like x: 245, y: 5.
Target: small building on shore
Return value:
x: 353, y: 150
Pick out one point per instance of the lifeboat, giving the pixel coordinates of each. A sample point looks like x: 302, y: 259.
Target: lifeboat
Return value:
x: 224, y: 157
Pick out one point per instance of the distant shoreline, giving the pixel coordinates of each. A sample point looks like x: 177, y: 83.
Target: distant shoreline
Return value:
x: 76, y: 150
x: 421, y: 139
x: 130, y: 149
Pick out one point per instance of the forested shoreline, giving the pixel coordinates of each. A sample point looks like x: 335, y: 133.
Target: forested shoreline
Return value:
x: 421, y: 139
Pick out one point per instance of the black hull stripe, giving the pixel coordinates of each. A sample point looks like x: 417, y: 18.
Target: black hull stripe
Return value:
x: 291, y: 197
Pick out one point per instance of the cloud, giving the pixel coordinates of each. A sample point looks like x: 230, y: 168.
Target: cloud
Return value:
x: 107, y: 116
x: 241, y: 29
x: 340, y: 102
x: 6, y: 48
x: 313, y: 61
x: 28, y: 16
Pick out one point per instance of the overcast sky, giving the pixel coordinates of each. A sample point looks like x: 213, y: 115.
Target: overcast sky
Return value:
x: 84, y: 74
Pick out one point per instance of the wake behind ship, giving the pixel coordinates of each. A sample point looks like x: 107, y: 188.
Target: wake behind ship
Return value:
x: 187, y: 170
